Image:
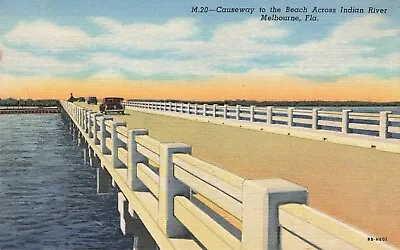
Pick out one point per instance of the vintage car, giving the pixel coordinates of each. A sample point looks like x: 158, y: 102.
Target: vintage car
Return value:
x: 81, y: 99
x: 112, y: 105
x: 92, y: 100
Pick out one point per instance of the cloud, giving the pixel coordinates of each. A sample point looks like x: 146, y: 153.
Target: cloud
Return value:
x: 345, y: 49
x: 363, y: 28
x: 238, y: 41
x: 46, y: 35
x: 25, y: 63
x: 245, y: 44
x: 149, y: 67
x: 144, y: 36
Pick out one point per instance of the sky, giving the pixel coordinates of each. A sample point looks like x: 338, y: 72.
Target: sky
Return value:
x: 163, y: 50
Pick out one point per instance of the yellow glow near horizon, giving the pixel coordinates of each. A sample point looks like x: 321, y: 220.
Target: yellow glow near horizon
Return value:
x: 251, y: 87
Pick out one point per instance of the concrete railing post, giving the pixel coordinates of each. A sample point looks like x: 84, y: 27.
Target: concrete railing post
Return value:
x: 134, y: 157
x: 116, y: 143
x: 214, y: 110
x: 290, y: 116
x: 181, y: 107
x: 195, y: 109
x: 261, y: 201
x: 205, y: 109
x: 384, y: 124
x: 252, y: 107
x: 103, y: 134
x: 90, y: 123
x: 79, y: 118
x: 314, y: 122
x: 225, y: 111
x: 188, y: 108
x: 96, y: 128
x: 269, y: 115
x: 169, y: 188
x: 345, y: 120
x: 237, y: 112
x: 84, y: 117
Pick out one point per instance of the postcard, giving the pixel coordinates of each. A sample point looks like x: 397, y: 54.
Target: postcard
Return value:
x: 205, y: 124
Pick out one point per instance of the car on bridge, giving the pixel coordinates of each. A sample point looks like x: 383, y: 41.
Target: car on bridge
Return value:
x: 81, y: 99
x: 112, y: 105
x: 92, y: 100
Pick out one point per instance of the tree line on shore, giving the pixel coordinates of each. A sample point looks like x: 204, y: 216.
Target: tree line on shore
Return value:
x: 316, y: 103
x: 29, y: 102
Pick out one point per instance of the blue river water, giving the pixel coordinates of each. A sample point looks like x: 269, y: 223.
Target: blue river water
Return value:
x: 48, y: 196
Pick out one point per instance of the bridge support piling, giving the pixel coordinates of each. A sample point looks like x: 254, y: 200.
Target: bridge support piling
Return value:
x: 73, y: 132
x: 91, y: 156
x: 142, y: 238
x: 85, y: 149
x: 103, y: 180
x: 96, y: 163
x: 169, y: 188
x: 261, y: 200
x: 126, y: 220
x: 79, y: 138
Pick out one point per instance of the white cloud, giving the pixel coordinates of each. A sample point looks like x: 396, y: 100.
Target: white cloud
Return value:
x: 342, y: 51
x: 148, y: 67
x: 48, y: 36
x: 238, y: 41
x: 363, y: 28
x: 230, y: 45
x: 29, y: 64
x: 144, y: 36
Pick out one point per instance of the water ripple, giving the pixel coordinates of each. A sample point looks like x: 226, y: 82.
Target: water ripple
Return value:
x: 48, y: 197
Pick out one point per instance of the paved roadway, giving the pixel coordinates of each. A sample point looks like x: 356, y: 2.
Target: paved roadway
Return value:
x: 357, y: 185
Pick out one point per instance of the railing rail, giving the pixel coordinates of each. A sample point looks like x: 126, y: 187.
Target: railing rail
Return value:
x: 158, y: 180
x: 383, y: 125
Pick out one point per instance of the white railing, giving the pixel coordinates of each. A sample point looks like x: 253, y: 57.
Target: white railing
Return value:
x: 161, y: 181
x: 383, y: 124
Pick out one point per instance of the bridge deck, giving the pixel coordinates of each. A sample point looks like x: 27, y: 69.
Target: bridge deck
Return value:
x: 357, y: 185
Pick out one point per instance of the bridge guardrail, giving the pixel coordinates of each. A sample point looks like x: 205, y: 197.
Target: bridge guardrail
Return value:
x: 383, y: 125
x: 159, y: 181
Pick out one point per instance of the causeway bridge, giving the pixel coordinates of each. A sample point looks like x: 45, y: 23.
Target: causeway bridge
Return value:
x: 219, y: 177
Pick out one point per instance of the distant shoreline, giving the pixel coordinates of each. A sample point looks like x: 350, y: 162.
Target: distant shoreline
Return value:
x: 11, y: 102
